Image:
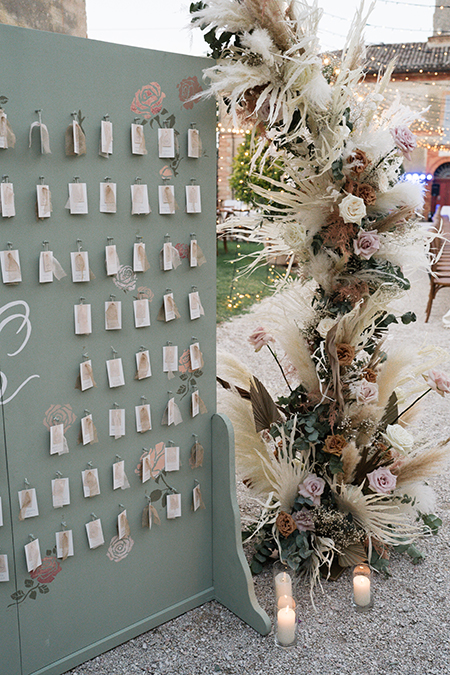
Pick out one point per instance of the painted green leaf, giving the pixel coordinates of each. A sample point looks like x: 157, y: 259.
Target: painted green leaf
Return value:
x: 28, y: 583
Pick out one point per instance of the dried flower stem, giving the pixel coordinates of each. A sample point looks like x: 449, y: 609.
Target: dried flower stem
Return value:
x: 279, y: 366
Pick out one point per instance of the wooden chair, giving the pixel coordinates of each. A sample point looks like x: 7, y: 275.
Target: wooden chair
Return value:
x: 440, y: 269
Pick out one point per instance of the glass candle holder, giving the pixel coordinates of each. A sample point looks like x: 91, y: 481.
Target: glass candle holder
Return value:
x: 362, y: 588
x: 286, y: 623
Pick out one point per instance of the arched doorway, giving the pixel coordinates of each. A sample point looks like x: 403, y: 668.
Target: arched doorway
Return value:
x: 440, y: 187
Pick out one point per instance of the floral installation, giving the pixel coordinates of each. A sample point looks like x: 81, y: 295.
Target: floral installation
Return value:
x: 119, y: 548
x: 338, y: 476
x: 40, y: 578
x: 187, y: 90
x: 59, y: 413
x: 125, y: 279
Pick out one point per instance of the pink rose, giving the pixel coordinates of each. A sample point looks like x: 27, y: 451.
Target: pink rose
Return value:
x: 46, y: 572
x: 311, y: 488
x: 187, y: 89
x: 382, y: 480
x: 148, y: 101
x: 303, y: 520
x: 260, y: 338
x: 405, y: 140
x: 367, y: 392
x: 438, y: 381
x: 366, y: 244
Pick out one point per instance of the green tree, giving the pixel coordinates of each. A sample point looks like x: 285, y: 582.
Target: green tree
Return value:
x: 241, y: 180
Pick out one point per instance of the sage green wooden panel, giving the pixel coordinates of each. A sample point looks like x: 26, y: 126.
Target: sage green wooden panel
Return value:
x: 94, y: 602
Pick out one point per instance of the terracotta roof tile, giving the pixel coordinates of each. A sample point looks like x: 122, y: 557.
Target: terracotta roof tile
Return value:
x: 411, y: 57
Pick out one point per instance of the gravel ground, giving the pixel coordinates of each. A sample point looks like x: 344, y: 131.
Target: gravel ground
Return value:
x: 406, y: 633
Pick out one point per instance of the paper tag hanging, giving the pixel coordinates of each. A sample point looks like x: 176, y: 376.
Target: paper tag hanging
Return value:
x: 196, y: 456
x: 28, y: 504
x: 78, y: 201
x: 33, y: 555
x: 114, y: 369
x: 195, y: 306
x: 88, y: 430
x: 194, y: 144
x: 138, y: 140
x: 196, y: 356
x: 83, y: 319
x: 1, y: 513
x: 170, y: 257
x: 140, y: 260
x: 113, y: 315
x: 108, y: 197
x: 79, y: 261
x: 94, y: 533
x: 75, y: 140
x: 197, y: 501
x: 123, y: 527
x: 44, y: 136
x: 58, y: 442
x: 139, y: 200
x: 171, y: 414
x: 172, y: 458
x: 141, y: 310
x: 91, y: 486
x: 150, y: 516
x: 10, y: 264
x: 7, y: 137
x: 197, y: 405
x: 106, y: 138
x: 193, y: 199
x: 7, y: 202
x: 170, y: 360
x: 166, y: 195
x: 143, y: 365
x: 173, y: 506
x: 86, y: 376
x: 196, y: 257
x: 117, y: 422
x: 120, y: 479
x: 64, y: 544
x: 169, y: 310
x: 45, y: 267
x: 60, y: 492
x: 166, y: 142
x: 44, y: 201
x: 4, y: 569
x: 143, y: 418
x: 111, y: 260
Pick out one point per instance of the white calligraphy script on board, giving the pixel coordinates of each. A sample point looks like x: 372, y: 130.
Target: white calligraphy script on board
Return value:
x: 23, y: 314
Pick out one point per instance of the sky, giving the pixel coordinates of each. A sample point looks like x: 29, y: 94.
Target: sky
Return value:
x: 161, y: 24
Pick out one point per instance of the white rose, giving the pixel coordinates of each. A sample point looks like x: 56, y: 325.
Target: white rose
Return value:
x: 325, y: 325
x: 352, y: 209
x: 367, y: 392
x: 398, y: 438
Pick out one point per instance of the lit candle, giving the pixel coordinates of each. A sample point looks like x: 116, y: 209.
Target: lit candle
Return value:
x: 285, y: 601
x: 361, y: 590
x: 283, y: 584
x: 286, y: 626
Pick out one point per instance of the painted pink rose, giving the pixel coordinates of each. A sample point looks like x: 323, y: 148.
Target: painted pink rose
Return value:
x: 366, y: 244
x: 382, y: 480
x: 148, y: 100
x: 125, y: 279
x: 46, y: 572
x: 367, y: 392
x: 404, y: 139
x: 188, y: 88
x: 311, y: 488
x: 303, y: 520
x: 184, y: 362
x: 438, y: 381
x: 59, y: 413
x: 119, y: 548
x: 146, y: 292
x: 183, y: 250
x: 260, y: 338
x: 166, y: 172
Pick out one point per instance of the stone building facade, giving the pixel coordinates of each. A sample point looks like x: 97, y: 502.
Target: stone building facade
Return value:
x: 57, y: 16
